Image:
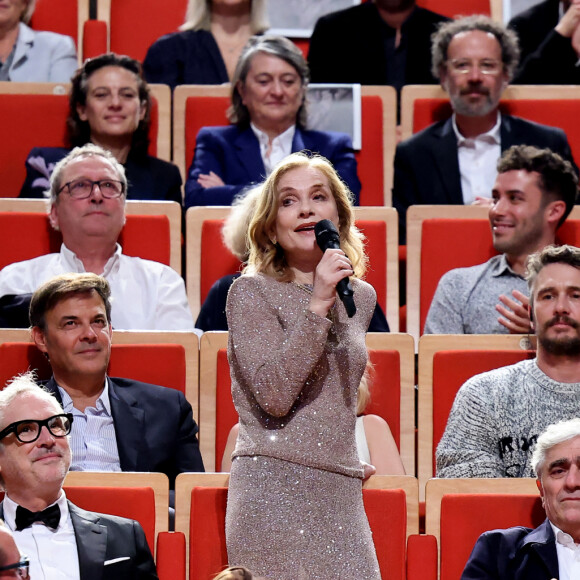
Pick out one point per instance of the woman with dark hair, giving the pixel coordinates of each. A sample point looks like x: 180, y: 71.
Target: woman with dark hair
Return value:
x: 109, y: 106
x: 268, y: 115
x: 296, y: 361
x: 207, y: 48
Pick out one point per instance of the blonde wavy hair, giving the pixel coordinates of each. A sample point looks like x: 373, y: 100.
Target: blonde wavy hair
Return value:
x: 268, y: 258
x: 198, y: 16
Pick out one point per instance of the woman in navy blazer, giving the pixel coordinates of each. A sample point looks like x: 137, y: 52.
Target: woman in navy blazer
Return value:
x: 268, y: 116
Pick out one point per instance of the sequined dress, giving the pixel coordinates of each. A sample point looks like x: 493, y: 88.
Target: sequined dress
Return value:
x: 295, y: 506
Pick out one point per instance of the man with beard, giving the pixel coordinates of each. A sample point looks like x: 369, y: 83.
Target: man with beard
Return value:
x: 534, y: 192
x: 497, y: 416
x: 453, y: 161
x: 386, y: 42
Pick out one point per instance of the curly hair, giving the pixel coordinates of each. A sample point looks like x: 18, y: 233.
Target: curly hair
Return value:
x: 507, y: 39
x: 267, y: 257
x: 79, y: 131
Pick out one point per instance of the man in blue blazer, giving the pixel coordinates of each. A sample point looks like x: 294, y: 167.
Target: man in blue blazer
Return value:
x: 268, y: 114
x: 549, y: 550
x: 56, y: 535
x: 120, y: 424
x: 454, y: 161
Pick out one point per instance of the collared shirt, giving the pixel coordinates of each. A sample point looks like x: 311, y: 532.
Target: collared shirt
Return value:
x: 477, y: 161
x: 145, y: 295
x: 465, y: 299
x: 568, y: 555
x: 93, y: 441
x: 281, y: 146
x: 52, y: 553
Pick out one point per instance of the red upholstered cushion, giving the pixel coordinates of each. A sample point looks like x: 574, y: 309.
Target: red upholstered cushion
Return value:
x: 145, y: 236
x: 453, y: 8
x: 450, y: 233
x: 370, y: 157
x: 376, y: 249
x: 216, y: 260
x: 207, y: 536
x: 386, y: 511
x: 59, y: 16
x: 161, y: 364
x: 136, y: 503
x: 452, y: 368
x: 94, y: 38
x: 202, y: 112
x: 386, y: 389
x: 464, y: 517
x: 226, y: 415
x: 153, y: 23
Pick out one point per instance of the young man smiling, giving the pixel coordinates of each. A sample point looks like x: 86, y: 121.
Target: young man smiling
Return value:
x: 534, y: 192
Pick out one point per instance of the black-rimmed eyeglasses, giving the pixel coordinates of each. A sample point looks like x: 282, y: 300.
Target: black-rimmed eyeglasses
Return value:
x: 82, y: 188
x: 28, y: 431
x: 21, y: 568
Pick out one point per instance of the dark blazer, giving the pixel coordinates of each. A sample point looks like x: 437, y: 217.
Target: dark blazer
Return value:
x: 149, y: 178
x: 101, y: 538
x: 154, y: 427
x: 234, y: 154
x: 514, y: 554
x: 191, y: 57
x: 427, y: 164
x: 347, y: 47
x: 546, y: 56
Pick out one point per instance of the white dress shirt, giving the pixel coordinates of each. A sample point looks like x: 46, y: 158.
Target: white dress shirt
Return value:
x: 52, y: 553
x: 478, y: 161
x: 281, y: 146
x: 568, y: 555
x: 92, y: 439
x: 145, y: 295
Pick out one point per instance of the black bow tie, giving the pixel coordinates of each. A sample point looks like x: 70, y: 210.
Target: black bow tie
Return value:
x: 25, y: 518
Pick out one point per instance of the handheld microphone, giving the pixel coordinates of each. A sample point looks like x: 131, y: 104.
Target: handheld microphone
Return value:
x: 327, y: 237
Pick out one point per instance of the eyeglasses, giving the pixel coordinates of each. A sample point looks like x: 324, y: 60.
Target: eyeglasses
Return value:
x: 21, y: 568
x: 82, y: 188
x: 28, y: 431
x: 462, y: 66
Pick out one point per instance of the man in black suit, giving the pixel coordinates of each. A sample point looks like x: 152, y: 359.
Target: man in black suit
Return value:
x: 386, y: 42
x: 60, y: 539
x: 549, y: 551
x: 454, y: 161
x: 120, y: 424
x: 549, y: 36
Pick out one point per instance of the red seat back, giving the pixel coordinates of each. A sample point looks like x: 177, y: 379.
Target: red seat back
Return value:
x: 59, y: 16
x: 145, y: 236
x: 385, y: 508
x: 160, y: 364
x: 455, y: 8
x: 464, y: 517
x: 136, y: 503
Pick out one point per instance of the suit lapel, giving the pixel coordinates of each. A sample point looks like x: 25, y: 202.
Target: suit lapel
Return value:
x: 447, y: 162
x: 298, y: 141
x: 248, y: 152
x: 128, y: 418
x: 542, y: 542
x: 91, y: 541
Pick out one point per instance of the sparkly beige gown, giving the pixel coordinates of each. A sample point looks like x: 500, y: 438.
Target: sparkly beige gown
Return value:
x: 295, y: 506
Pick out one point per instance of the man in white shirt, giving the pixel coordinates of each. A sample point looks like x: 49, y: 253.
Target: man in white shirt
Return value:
x: 454, y: 161
x: 12, y: 563
x: 61, y: 540
x: 119, y: 424
x: 551, y: 550
x: 87, y: 204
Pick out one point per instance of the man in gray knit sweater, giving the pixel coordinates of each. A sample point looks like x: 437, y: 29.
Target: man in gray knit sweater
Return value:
x: 497, y: 416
